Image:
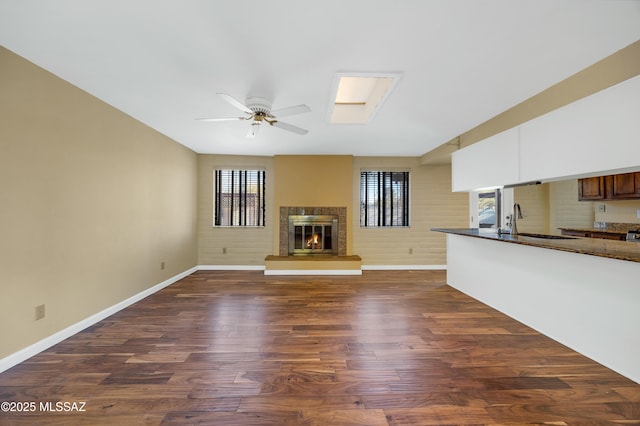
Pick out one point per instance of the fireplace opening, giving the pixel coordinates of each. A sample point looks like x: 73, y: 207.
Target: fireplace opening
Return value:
x: 312, y: 237
x: 313, y: 234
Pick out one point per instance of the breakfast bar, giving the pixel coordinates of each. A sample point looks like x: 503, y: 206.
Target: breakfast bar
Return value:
x: 612, y: 249
x: 582, y: 292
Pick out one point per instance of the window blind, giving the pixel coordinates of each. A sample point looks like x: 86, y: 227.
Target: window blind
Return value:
x: 384, y: 198
x: 239, y: 198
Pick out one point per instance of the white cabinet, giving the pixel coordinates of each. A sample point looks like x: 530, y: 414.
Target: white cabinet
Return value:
x: 599, y: 133
x: 490, y: 162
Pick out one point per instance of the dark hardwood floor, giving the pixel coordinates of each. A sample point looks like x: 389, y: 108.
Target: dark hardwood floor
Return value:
x: 384, y: 348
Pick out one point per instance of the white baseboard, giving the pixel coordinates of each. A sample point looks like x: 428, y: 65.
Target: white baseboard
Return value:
x: 358, y: 271
x: 404, y: 267
x: 313, y: 272
x: 26, y: 353
x: 230, y: 267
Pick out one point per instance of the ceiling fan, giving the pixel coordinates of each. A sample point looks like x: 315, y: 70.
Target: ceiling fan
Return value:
x: 258, y: 111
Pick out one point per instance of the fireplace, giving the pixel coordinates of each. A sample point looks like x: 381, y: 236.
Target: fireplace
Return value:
x: 313, y: 231
x: 313, y: 234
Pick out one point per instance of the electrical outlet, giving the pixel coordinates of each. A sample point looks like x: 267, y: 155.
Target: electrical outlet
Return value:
x: 601, y: 208
x: 224, y: 250
x: 410, y: 251
x: 39, y: 312
x: 638, y: 213
x: 162, y: 265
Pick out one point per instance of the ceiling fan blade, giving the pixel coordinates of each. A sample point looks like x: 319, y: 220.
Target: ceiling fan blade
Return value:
x: 298, y: 109
x: 253, y: 130
x: 236, y: 103
x: 289, y: 127
x: 221, y: 119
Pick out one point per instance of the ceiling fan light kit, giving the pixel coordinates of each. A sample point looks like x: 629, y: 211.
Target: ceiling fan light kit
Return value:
x: 258, y: 110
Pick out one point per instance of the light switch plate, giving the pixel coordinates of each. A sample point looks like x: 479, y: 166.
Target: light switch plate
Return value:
x: 638, y: 213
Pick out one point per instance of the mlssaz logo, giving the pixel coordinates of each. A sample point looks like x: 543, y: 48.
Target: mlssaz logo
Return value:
x: 63, y: 406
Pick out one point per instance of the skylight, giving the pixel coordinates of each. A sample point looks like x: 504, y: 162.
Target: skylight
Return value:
x: 357, y: 97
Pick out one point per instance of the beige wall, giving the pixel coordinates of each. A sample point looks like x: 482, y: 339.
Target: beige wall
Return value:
x: 620, y: 211
x: 534, y: 202
x: 92, y: 202
x: 232, y: 245
x: 300, y: 181
x: 432, y: 205
x: 313, y: 181
x: 554, y: 205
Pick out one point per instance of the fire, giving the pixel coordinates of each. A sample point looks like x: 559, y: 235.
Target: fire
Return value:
x: 314, y: 241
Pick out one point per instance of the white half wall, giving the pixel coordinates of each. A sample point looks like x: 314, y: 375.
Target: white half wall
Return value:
x: 588, y: 303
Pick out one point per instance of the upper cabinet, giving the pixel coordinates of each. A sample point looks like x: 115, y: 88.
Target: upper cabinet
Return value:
x: 596, y: 134
x: 625, y: 186
x: 488, y: 163
x: 592, y: 188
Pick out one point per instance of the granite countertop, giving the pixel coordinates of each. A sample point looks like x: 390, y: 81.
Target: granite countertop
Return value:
x: 598, y: 230
x: 621, y: 250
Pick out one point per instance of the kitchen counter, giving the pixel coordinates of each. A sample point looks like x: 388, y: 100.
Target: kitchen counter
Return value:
x: 621, y: 250
x: 588, y: 303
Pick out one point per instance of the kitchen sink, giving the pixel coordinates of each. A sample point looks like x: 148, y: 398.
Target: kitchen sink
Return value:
x: 546, y: 237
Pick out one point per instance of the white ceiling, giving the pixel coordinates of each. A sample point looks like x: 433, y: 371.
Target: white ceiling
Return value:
x: 462, y: 61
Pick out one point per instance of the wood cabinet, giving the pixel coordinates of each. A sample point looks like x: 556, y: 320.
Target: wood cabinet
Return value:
x: 625, y: 186
x: 574, y: 233
x: 594, y: 234
x: 592, y: 188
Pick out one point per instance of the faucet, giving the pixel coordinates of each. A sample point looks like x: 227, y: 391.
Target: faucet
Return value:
x: 517, y: 214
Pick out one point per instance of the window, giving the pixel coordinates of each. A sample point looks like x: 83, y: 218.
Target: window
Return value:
x: 384, y: 199
x: 239, y: 198
x: 488, y: 208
